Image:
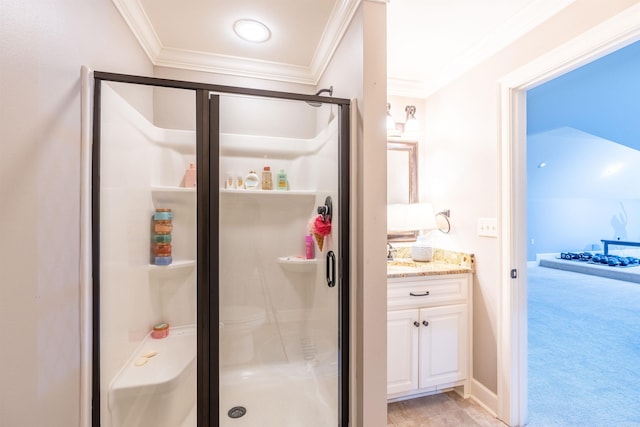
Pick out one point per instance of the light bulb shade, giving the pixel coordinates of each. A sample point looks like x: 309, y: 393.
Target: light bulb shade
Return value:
x: 411, y: 126
x: 410, y: 217
x: 391, y: 123
x: 251, y: 30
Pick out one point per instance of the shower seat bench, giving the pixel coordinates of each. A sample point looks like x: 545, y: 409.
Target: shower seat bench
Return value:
x: 617, y: 242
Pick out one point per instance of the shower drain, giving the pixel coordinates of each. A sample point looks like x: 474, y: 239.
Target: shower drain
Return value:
x: 237, y: 411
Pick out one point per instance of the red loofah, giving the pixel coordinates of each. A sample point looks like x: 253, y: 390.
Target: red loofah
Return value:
x: 321, y: 227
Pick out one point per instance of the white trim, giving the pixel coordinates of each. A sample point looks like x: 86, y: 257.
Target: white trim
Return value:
x: 337, y: 26
x: 134, y: 15
x: 86, y: 131
x: 535, y: 13
x: 605, y: 38
x: 405, y: 87
x: 136, y: 18
x: 484, y: 397
x: 235, y: 66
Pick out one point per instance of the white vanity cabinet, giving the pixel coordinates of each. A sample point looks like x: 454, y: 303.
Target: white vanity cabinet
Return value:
x: 428, y: 334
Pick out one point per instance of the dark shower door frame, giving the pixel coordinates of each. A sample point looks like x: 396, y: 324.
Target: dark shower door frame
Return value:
x: 207, y: 156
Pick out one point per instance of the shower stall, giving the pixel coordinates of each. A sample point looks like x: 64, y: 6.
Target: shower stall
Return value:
x: 220, y: 255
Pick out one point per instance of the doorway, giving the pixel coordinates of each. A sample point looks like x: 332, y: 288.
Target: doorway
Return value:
x: 614, y: 34
x: 581, y: 150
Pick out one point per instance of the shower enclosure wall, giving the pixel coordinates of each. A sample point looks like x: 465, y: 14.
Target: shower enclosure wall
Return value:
x: 257, y: 329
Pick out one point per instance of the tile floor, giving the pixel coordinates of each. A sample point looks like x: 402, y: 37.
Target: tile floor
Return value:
x: 439, y: 410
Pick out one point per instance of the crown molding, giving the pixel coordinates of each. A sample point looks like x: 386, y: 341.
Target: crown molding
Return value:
x: 134, y: 15
x: 337, y: 26
x: 520, y: 24
x: 236, y: 66
x: 526, y: 20
x: 398, y: 86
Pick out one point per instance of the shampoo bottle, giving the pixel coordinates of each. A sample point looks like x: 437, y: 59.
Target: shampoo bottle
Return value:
x: 309, y: 247
x: 252, y: 182
x: 267, y: 182
x: 283, y: 183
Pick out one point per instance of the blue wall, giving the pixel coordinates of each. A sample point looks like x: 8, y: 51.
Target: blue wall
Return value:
x: 585, y: 127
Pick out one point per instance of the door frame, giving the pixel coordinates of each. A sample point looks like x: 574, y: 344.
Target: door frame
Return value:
x: 613, y: 34
x: 207, y: 196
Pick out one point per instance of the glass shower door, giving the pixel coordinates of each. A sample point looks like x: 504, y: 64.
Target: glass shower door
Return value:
x: 281, y: 313
x: 221, y: 302
x: 145, y: 247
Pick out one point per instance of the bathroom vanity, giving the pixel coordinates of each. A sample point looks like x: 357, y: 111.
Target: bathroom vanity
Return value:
x: 429, y: 325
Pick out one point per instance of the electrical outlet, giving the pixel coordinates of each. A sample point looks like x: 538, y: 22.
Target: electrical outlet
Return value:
x: 488, y: 227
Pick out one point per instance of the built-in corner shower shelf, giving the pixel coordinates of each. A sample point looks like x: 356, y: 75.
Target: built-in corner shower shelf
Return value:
x: 159, y: 189
x: 268, y: 193
x: 297, y: 264
x: 176, y: 267
x: 166, y: 194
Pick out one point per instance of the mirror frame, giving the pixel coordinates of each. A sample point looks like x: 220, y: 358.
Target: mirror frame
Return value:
x: 411, y: 148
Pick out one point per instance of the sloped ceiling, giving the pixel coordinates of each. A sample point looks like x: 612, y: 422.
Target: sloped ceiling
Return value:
x: 601, y: 98
x: 566, y: 162
x: 430, y: 42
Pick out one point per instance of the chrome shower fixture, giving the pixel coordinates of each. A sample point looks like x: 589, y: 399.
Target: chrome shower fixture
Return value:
x: 320, y: 92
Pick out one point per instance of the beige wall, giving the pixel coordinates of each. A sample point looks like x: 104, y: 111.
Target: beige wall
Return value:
x: 461, y: 133
x: 42, y: 47
x: 358, y: 70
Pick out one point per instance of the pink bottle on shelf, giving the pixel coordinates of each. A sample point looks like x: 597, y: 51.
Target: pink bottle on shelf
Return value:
x: 308, y: 247
x: 190, y: 176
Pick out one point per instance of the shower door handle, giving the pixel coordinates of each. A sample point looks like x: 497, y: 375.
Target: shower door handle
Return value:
x: 331, y: 269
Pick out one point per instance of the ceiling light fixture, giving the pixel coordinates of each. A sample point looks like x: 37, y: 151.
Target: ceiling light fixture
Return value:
x: 251, y: 30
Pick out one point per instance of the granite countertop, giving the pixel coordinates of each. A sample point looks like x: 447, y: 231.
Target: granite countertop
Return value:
x: 443, y: 262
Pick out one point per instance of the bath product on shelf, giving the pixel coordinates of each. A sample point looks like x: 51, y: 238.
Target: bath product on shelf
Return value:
x: 252, y: 182
x: 162, y: 260
x: 161, y: 330
x: 162, y: 249
x: 267, y: 181
x: 162, y: 227
x: 239, y: 182
x: 283, y: 182
x: 162, y: 238
x: 190, y: 179
x: 228, y: 183
x: 309, y: 247
x: 162, y: 221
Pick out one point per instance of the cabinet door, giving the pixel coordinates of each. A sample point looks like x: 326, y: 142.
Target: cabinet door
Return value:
x: 402, y: 350
x: 443, y: 345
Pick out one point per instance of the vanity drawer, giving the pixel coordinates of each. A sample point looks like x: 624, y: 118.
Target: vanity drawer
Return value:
x: 427, y: 292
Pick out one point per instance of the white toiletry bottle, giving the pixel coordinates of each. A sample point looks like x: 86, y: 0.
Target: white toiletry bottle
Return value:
x: 252, y: 182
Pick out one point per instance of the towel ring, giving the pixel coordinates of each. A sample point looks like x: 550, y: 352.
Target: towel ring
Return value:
x: 444, y: 214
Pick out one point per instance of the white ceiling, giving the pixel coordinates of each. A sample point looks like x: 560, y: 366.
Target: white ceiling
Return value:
x: 430, y: 42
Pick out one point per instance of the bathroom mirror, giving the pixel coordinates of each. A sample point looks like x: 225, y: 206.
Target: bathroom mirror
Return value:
x: 402, y: 179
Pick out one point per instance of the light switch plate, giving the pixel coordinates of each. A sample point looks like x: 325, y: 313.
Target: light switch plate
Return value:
x: 488, y: 227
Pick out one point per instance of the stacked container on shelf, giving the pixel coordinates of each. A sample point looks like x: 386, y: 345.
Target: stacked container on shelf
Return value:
x: 162, y: 227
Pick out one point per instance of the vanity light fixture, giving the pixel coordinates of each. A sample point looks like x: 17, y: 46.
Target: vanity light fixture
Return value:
x: 411, y: 127
x: 251, y: 30
x: 391, y: 123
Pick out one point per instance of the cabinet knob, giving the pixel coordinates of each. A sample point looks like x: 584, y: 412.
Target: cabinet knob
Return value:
x: 416, y: 324
x: 425, y: 323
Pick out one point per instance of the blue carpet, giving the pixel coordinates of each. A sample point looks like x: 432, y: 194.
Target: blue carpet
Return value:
x: 584, y: 350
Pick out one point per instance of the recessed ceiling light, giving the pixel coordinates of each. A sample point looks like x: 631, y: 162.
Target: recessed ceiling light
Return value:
x: 251, y: 30
x: 542, y: 165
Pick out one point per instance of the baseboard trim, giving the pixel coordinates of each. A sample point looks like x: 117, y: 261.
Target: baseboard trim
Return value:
x: 484, y: 397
